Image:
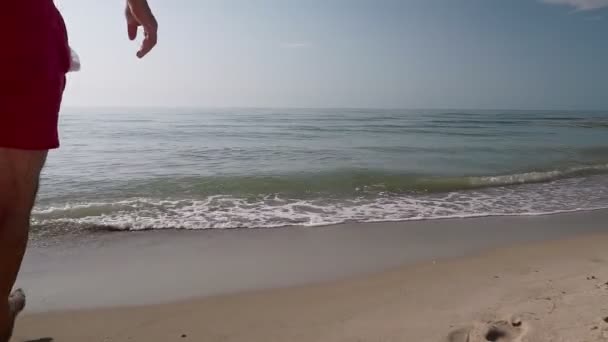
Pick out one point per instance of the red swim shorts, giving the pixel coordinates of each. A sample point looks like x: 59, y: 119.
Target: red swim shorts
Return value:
x: 34, y: 58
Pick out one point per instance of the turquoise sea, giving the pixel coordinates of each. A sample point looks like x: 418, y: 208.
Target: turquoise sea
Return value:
x: 134, y: 169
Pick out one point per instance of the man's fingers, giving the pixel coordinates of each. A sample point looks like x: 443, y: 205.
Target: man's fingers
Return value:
x: 141, y: 14
x: 132, y: 23
x: 149, y: 41
x: 132, y: 30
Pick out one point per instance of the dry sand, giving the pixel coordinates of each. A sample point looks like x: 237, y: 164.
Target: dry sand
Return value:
x: 529, y: 291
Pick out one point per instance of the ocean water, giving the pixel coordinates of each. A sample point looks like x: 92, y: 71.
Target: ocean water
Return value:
x: 134, y: 169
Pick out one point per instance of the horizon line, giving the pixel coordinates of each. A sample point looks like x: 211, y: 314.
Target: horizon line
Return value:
x: 329, y: 107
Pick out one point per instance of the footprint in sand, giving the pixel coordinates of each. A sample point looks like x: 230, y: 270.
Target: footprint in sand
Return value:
x: 498, y: 331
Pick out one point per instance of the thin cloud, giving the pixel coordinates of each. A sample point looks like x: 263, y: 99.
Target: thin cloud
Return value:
x: 580, y: 5
x: 297, y: 45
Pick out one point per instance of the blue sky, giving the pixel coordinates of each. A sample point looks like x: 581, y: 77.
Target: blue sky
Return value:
x: 508, y: 54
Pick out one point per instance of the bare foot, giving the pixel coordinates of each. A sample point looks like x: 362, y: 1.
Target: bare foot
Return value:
x: 16, y: 303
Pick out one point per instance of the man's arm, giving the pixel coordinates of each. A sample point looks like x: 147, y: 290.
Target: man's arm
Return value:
x: 138, y: 13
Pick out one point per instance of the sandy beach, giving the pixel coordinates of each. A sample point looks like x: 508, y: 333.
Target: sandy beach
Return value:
x: 538, y: 278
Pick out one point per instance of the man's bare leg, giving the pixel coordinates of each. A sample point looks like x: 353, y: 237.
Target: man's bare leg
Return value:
x: 19, y: 175
x: 16, y: 304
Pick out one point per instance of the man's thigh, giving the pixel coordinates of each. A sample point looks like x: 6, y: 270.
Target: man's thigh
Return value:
x: 19, y: 175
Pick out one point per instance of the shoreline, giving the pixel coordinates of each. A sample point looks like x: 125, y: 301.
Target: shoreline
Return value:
x: 553, y: 287
x: 233, y: 209
x: 131, y: 268
x: 98, y: 229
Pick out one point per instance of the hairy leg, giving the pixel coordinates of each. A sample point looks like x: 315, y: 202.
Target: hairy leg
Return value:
x: 19, y: 175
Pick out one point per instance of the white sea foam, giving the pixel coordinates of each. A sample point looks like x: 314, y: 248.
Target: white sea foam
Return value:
x: 272, y: 211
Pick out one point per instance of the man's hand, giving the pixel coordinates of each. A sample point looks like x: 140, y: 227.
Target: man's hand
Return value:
x: 138, y: 13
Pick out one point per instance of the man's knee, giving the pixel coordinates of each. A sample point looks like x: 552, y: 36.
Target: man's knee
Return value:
x: 14, y: 215
x: 16, y: 199
x: 19, y: 174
